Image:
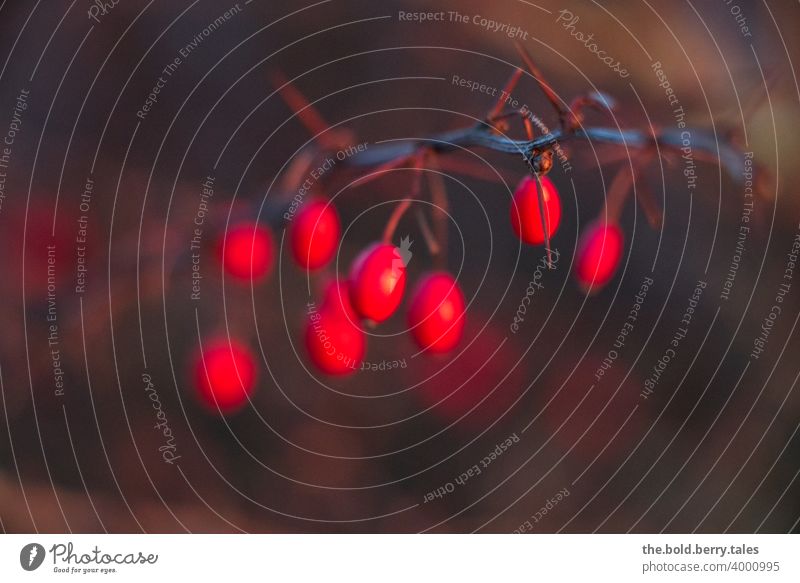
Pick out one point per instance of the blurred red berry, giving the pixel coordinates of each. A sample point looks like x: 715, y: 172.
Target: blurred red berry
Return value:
x: 597, y: 424
x: 314, y: 234
x: 47, y: 252
x: 247, y: 251
x: 335, y: 343
x: 225, y: 376
x: 337, y: 299
x: 525, y: 216
x: 436, y: 316
x: 599, y: 253
x: 377, y: 282
x: 479, y: 384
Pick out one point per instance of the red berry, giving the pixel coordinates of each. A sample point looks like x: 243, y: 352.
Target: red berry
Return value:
x: 247, y: 251
x: 436, y: 316
x: 44, y: 249
x: 599, y: 254
x: 335, y: 343
x: 525, y: 216
x: 225, y: 375
x: 377, y: 282
x: 337, y: 299
x: 314, y: 234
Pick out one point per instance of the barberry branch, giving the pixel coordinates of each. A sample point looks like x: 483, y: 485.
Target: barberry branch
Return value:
x: 536, y: 151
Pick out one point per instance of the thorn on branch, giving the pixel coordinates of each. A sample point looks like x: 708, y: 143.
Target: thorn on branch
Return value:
x: 309, y: 116
x: 544, y: 216
x: 565, y: 116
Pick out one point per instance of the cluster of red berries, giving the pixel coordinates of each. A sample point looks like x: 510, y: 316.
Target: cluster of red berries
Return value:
x: 599, y: 249
x: 225, y: 371
x: 335, y: 340
x: 372, y: 292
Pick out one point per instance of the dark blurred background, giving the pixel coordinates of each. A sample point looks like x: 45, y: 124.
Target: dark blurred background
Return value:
x: 715, y: 446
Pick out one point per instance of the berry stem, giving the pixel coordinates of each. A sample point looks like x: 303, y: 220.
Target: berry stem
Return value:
x: 564, y: 115
x: 381, y: 170
x: 545, y: 218
x: 469, y: 168
x: 528, y: 126
x: 509, y: 87
x: 433, y: 247
x: 645, y: 196
x: 308, y: 114
x: 441, y: 209
x: 403, y: 205
x: 617, y: 194
x: 647, y: 201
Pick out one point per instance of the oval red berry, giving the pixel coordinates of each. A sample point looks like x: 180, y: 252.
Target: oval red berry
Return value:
x: 247, y: 251
x: 314, y: 234
x: 599, y: 254
x: 335, y: 343
x: 225, y: 376
x: 436, y: 315
x: 526, y: 218
x: 377, y: 282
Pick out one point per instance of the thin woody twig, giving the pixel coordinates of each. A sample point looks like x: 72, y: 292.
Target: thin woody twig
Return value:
x: 430, y: 240
x: 617, y: 193
x: 403, y: 205
x: 545, y: 218
x: 646, y: 199
x: 441, y: 203
x: 307, y: 113
x: 564, y: 115
x: 380, y: 171
x: 536, y: 151
x: 705, y: 147
x: 506, y: 91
